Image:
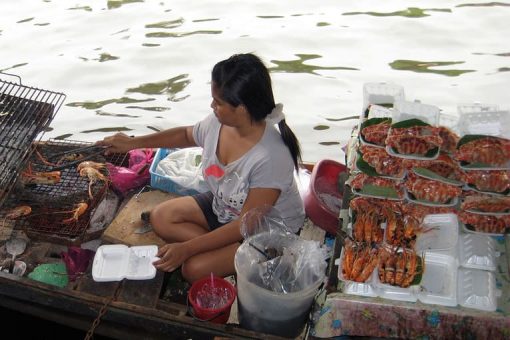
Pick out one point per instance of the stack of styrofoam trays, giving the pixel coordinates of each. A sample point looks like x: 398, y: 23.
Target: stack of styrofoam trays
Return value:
x: 477, y: 282
x: 381, y: 93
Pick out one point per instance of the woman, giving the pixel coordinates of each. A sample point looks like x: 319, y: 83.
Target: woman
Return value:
x: 247, y: 163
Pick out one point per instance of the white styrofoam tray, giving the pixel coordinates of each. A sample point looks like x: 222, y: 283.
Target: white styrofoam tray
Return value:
x: 381, y: 93
x: 477, y: 289
x: 477, y: 251
x: 352, y: 287
x: 439, y: 283
x: 117, y: 261
x: 439, y: 232
x: 483, y: 119
x: 405, y: 110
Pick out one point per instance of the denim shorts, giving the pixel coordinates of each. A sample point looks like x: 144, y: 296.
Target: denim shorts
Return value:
x: 204, y: 201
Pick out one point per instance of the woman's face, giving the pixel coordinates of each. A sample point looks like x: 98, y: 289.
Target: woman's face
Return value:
x: 225, y: 112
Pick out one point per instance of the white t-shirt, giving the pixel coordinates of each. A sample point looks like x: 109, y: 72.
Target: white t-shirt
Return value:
x: 268, y: 164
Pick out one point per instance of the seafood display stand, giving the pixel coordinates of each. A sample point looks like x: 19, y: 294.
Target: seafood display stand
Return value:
x: 463, y: 290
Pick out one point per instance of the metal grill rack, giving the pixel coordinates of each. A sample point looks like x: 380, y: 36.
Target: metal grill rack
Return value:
x: 25, y: 113
x: 52, y: 203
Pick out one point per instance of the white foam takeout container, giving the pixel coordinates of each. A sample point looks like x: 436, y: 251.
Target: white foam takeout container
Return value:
x: 352, y: 287
x: 483, y: 119
x: 477, y: 251
x: 438, y: 284
x: 117, y: 261
x: 381, y: 93
x: 405, y: 110
x: 477, y: 289
x: 440, y: 232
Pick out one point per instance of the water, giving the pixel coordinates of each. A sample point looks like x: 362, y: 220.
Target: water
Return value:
x: 136, y: 66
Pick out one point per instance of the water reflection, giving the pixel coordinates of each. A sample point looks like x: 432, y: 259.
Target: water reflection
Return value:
x: 167, y: 24
x: 410, y: 12
x: 298, y: 66
x: 113, y: 4
x: 486, y: 4
x: 425, y: 67
x: 99, y: 104
x: 179, y: 35
x: 170, y: 87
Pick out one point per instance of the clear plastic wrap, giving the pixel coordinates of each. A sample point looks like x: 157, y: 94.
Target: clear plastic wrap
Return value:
x: 275, y: 259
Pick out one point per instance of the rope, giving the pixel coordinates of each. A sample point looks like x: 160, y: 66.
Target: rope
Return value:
x: 102, y: 312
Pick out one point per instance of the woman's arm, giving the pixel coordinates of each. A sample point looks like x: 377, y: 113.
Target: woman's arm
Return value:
x: 174, y: 254
x: 178, y: 137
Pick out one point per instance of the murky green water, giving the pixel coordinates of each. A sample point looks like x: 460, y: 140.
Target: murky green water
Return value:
x: 137, y: 66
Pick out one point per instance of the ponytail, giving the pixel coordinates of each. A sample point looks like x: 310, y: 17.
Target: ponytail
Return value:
x: 290, y: 139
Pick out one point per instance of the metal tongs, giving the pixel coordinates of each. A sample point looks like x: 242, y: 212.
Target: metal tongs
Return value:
x: 97, y: 150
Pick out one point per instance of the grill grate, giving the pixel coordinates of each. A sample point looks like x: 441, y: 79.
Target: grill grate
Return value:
x: 52, y: 203
x: 25, y: 112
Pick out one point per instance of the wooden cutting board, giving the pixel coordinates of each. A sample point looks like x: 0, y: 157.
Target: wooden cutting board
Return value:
x: 122, y: 228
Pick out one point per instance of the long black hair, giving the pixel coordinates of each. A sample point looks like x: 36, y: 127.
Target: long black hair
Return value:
x: 243, y: 79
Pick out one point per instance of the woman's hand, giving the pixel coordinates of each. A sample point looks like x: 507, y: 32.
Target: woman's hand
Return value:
x: 118, y: 143
x: 172, y: 256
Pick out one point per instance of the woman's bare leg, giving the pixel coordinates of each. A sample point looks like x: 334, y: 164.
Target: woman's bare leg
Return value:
x: 219, y: 261
x: 178, y: 220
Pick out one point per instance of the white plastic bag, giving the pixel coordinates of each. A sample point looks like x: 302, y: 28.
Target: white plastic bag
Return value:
x: 184, y: 167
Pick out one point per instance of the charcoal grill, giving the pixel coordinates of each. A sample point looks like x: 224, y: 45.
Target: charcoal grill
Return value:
x: 52, y: 203
x: 25, y: 112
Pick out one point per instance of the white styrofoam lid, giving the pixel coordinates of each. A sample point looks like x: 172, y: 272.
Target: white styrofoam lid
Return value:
x: 477, y: 251
x: 381, y: 93
x: 117, y: 261
x: 439, y: 282
x: 405, y: 110
x: 439, y: 232
x: 477, y: 289
x: 483, y: 119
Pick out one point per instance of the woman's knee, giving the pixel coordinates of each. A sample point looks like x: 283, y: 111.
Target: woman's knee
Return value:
x: 193, y: 270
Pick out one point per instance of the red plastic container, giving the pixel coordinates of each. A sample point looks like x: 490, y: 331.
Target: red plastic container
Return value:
x: 324, y: 199
x: 219, y: 315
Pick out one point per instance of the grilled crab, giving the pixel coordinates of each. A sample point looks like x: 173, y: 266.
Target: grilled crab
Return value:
x: 486, y: 203
x: 489, y: 180
x: 382, y: 162
x: 432, y: 191
x: 360, y: 180
x: 485, y: 223
x: 489, y: 150
x: 416, y: 140
x: 377, y: 133
x: 450, y: 139
x: 443, y: 165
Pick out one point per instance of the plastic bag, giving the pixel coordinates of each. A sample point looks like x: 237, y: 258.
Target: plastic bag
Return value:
x: 77, y: 261
x: 265, y: 218
x: 184, y: 167
x: 136, y: 175
x: 275, y: 259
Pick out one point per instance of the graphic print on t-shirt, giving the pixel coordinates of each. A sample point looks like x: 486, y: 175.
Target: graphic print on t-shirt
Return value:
x: 214, y: 170
x: 232, y: 193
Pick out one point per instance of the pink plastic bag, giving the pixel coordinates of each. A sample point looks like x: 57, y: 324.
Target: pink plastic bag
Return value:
x: 136, y: 175
x: 76, y: 260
